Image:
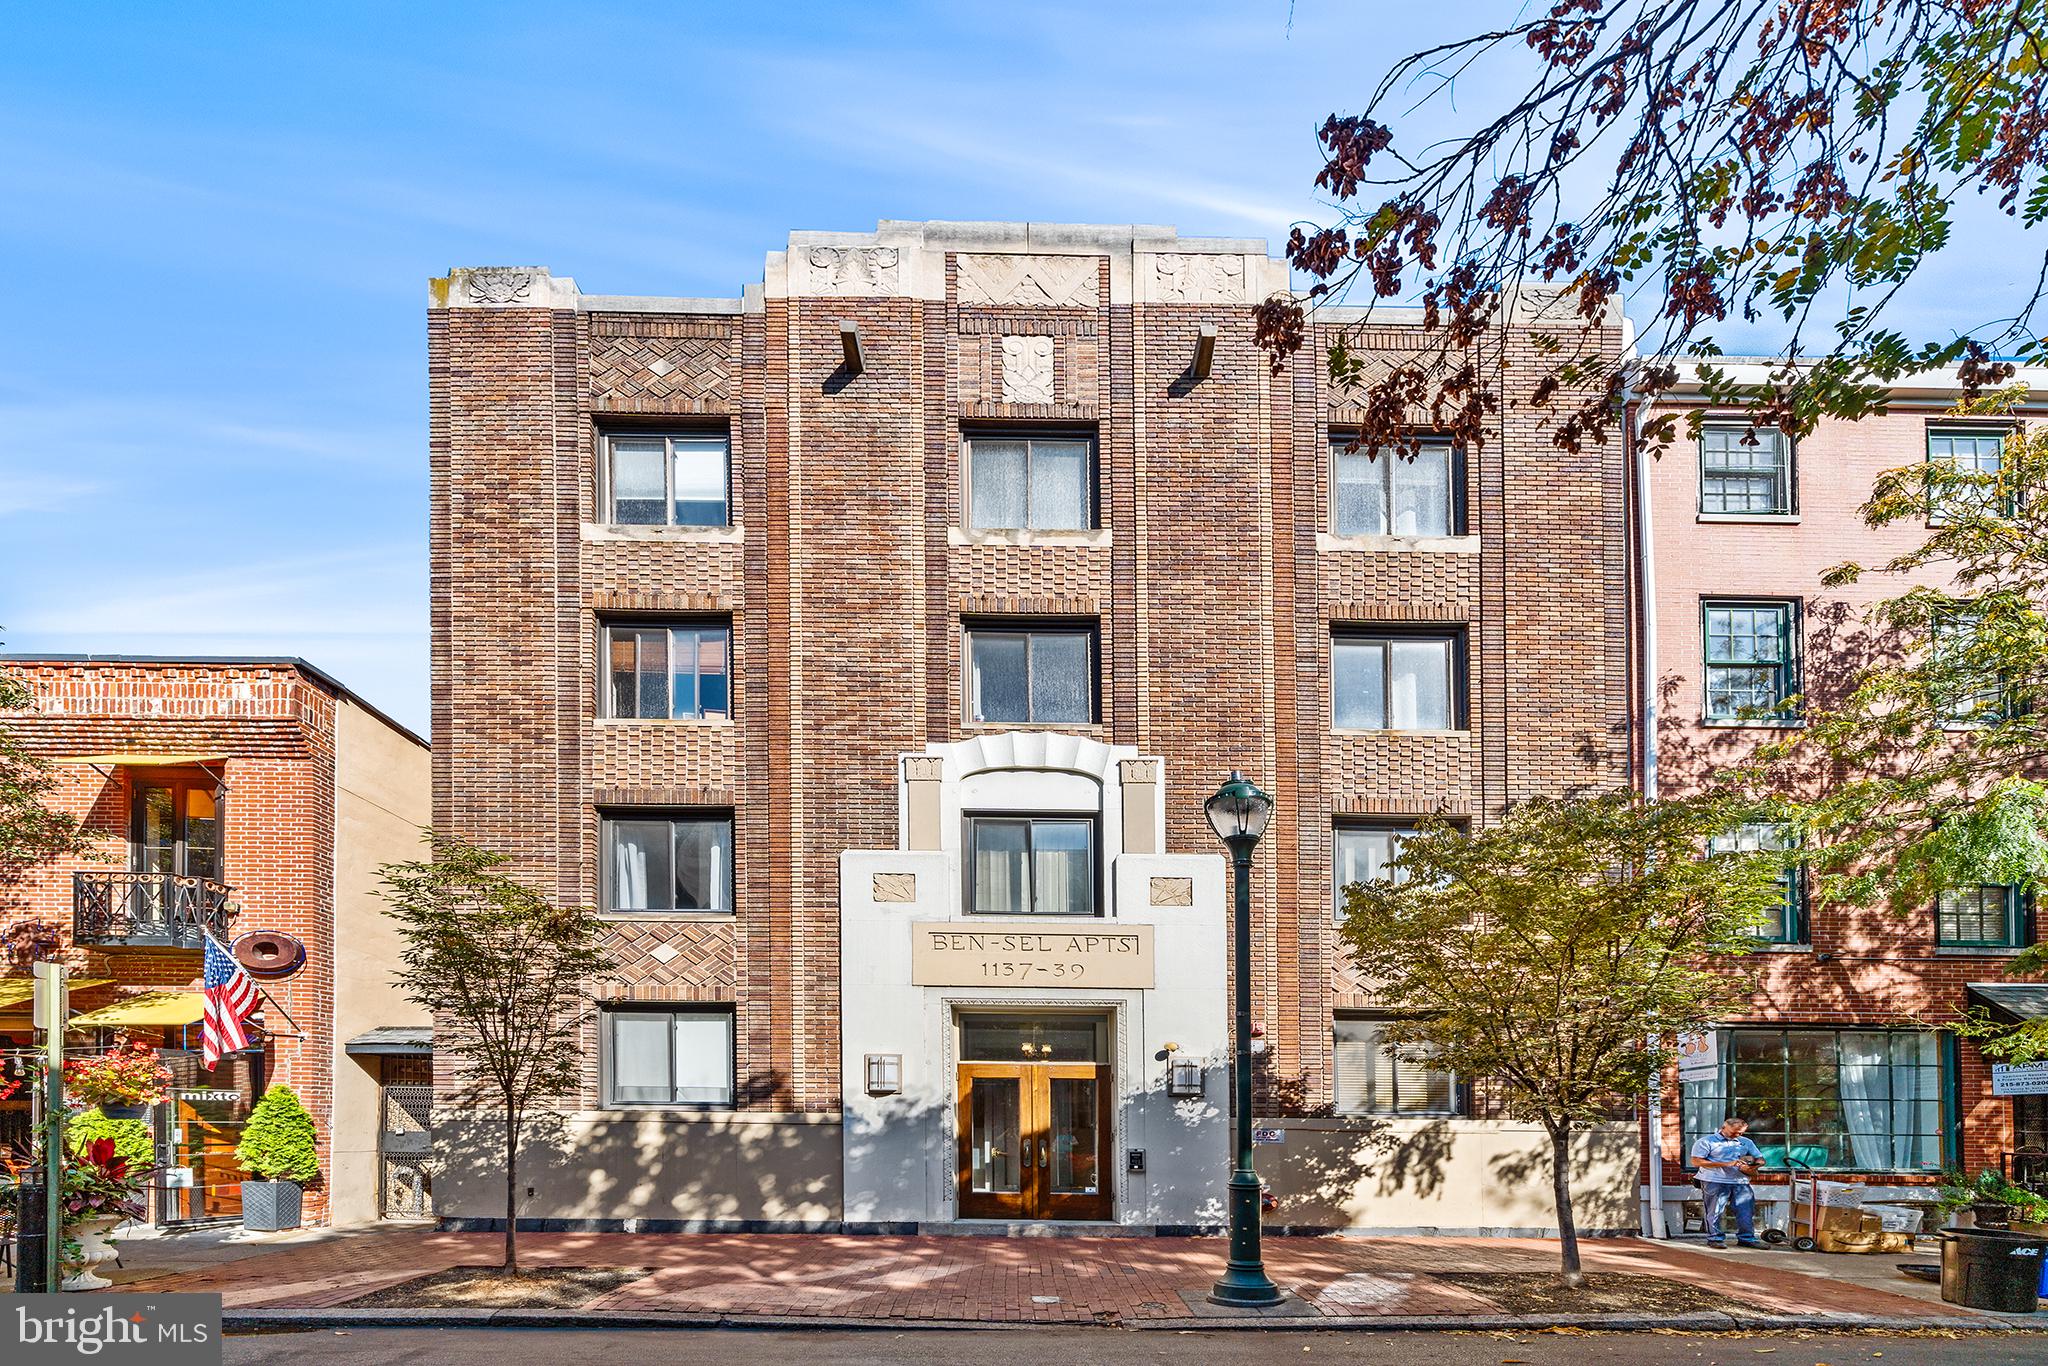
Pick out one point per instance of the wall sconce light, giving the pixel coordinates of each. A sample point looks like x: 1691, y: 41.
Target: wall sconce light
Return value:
x: 849, y: 346
x: 1183, y: 1080
x: 885, y: 1073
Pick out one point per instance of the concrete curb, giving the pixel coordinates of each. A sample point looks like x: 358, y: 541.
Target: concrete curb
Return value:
x: 263, y: 1320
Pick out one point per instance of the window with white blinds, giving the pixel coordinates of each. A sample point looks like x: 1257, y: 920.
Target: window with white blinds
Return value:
x: 1375, y: 1076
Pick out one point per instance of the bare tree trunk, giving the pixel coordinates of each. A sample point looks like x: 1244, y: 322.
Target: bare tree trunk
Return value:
x: 1561, y: 1189
x: 511, y: 1193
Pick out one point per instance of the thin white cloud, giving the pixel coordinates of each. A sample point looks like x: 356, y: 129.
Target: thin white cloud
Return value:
x: 25, y: 492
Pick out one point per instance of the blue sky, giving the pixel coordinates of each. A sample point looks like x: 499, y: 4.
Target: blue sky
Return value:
x: 217, y: 229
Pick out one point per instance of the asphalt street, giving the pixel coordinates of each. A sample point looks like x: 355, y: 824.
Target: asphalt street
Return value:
x: 1062, y: 1347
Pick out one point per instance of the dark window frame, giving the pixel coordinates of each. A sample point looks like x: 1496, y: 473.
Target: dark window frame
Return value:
x: 1357, y: 633
x: 1791, y: 641
x: 1718, y: 1101
x: 607, y: 1049
x: 1088, y: 628
x: 1793, y: 909
x: 669, y: 434
x: 1786, y: 502
x: 2018, y: 915
x: 609, y: 816
x: 1340, y: 443
x: 1091, y: 475
x: 1097, y: 892
x: 607, y: 702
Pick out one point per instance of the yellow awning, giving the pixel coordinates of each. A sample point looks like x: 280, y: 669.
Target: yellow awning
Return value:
x: 165, y: 1009
x: 15, y: 990
x: 140, y: 760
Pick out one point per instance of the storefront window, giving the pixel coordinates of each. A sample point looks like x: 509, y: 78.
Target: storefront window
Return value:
x: 1830, y: 1099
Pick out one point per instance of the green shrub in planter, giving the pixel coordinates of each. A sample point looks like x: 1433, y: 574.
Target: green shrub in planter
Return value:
x: 277, y: 1149
x: 278, y: 1141
x: 132, y: 1141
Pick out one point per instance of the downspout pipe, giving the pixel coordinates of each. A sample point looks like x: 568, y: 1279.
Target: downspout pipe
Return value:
x: 1646, y: 742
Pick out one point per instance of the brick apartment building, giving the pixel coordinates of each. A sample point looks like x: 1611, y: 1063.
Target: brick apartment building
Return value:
x: 229, y: 796
x: 1836, y: 1057
x: 862, y: 649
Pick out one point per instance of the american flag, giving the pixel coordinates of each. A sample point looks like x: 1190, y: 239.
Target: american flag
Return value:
x: 231, y: 999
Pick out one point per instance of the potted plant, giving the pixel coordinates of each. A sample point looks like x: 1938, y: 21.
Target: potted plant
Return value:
x: 278, y: 1150
x: 1993, y: 1201
x: 101, y: 1189
x: 122, y: 1082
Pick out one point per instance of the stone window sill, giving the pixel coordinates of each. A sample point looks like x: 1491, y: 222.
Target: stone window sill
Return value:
x: 684, y: 535
x: 1461, y: 734
x: 1332, y: 542
x: 666, y: 917
x: 652, y: 722
x: 1975, y: 951
x: 1750, y: 518
x: 961, y: 536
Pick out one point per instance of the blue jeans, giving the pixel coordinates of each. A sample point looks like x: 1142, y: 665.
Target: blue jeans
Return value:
x: 1718, y: 1196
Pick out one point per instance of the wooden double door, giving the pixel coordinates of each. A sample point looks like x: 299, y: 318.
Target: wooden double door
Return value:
x: 1034, y: 1140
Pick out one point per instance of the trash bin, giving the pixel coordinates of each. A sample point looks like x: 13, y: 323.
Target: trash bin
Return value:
x: 1991, y: 1269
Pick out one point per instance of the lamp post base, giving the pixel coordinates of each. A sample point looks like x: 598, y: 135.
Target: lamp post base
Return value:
x: 1254, y: 1291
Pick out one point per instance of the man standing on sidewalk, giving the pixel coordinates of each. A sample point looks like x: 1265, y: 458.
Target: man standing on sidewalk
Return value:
x: 1725, y: 1161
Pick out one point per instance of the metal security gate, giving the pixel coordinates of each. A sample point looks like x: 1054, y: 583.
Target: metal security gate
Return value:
x: 405, y: 1143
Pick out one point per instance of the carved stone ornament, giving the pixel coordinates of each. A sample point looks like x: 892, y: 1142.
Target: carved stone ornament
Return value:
x: 895, y: 888
x: 1173, y: 891
x: 497, y: 286
x: 1188, y: 278
x: 1027, y: 281
x: 1027, y: 370
x: 865, y: 271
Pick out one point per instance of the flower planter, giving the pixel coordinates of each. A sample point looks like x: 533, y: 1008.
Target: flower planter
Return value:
x: 95, y: 1247
x: 1990, y: 1214
x: 114, y: 1111
x: 271, y: 1206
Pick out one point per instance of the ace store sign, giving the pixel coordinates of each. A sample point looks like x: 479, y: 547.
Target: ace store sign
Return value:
x: 1009, y: 953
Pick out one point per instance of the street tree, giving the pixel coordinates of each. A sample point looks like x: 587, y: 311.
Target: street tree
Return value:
x: 1929, y: 771
x: 505, y: 974
x: 1557, y: 953
x: 1791, y: 163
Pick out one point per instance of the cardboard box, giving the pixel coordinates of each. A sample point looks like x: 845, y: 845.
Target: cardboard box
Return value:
x: 1895, y: 1218
x: 1833, y: 1194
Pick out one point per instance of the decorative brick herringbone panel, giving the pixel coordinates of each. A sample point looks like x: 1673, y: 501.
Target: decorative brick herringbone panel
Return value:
x: 668, y: 961
x: 661, y: 374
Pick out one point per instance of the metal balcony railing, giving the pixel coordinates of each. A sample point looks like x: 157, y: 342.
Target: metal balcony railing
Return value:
x: 154, y: 910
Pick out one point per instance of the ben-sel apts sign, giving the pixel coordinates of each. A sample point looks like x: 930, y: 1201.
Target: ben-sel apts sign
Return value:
x: 1021, y: 953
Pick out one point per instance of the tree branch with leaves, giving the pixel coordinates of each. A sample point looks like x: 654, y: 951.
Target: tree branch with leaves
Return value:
x: 1709, y: 162
x: 32, y: 829
x: 1546, y: 952
x: 505, y: 974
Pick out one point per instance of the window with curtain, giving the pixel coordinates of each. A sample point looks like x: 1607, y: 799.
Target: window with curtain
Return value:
x: 1363, y: 852
x: 1396, y: 682
x: 1750, y: 659
x: 1030, y: 483
x: 669, y: 673
x: 1745, y: 470
x: 1031, y: 865
x: 1375, y: 1076
x: 1387, y: 493
x: 668, y: 480
x: 1833, y: 1099
x: 655, y: 1056
x: 1786, y: 922
x: 1975, y: 451
x: 668, y: 863
x: 1031, y: 675
x: 1988, y: 916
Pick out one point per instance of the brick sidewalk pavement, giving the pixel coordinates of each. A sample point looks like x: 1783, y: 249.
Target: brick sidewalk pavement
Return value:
x: 1011, y: 1280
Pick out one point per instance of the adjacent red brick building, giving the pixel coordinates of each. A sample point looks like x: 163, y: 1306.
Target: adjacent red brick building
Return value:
x: 224, y: 795
x: 1839, y: 1056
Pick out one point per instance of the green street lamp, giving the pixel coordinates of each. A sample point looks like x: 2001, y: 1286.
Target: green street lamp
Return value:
x: 1238, y: 813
